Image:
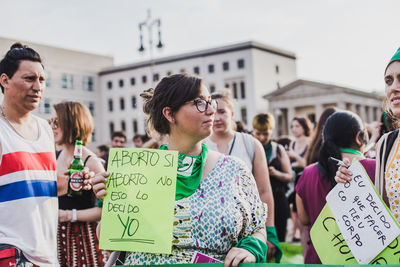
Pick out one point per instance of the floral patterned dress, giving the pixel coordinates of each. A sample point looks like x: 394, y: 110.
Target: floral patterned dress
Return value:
x: 224, y: 208
x: 393, y: 182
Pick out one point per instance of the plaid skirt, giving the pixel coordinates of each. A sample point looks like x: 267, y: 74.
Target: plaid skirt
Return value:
x: 78, y: 246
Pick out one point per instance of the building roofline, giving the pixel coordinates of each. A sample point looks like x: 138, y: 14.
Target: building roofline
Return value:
x: 29, y: 43
x: 201, y: 53
x: 322, y: 85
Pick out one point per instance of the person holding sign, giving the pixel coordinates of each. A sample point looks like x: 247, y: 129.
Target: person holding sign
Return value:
x: 224, y: 139
x: 218, y: 211
x: 77, y: 215
x: 344, y: 136
x: 387, y: 174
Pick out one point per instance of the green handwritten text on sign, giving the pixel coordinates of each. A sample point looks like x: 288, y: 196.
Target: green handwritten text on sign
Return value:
x: 333, y: 249
x: 138, y: 210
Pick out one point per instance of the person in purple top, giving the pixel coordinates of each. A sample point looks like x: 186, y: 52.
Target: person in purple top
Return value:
x: 344, y: 136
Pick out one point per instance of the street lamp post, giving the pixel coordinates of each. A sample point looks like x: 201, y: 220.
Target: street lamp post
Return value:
x: 149, y: 23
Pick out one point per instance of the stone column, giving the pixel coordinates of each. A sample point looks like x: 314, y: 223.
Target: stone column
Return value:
x: 341, y: 105
x: 290, y: 115
x: 318, y: 111
x: 363, y: 113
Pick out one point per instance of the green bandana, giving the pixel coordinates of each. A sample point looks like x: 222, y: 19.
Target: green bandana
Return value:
x: 351, y: 151
x: 395, y: 57
x: 190, y: 171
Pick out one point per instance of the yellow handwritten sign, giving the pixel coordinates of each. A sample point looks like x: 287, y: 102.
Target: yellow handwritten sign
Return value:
x: 138, y: 210
x: 333, y: 249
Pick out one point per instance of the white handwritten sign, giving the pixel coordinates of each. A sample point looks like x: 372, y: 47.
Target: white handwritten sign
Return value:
x: 364, y: 221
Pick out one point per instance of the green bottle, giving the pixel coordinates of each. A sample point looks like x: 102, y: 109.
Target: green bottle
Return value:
x: 75, y: 183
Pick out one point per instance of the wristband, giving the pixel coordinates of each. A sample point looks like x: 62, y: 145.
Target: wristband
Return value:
x: 272, y: 237
x: 255, y: 246
x: 74, y: 217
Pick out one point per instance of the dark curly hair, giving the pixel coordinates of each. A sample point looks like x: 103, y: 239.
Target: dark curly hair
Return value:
x: 173, y: 92
x: 18, y: 52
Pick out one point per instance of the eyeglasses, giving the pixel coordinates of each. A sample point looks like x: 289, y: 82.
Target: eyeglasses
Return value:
x: 53, y: 122
x: 202, y: 105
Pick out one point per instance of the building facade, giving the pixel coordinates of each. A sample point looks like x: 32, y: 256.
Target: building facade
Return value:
x: 249, y: 69
x: 309, y: 99
x: 70, y: 76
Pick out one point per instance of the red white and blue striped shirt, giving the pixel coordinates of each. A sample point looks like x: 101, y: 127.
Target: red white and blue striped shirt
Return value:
x: 28, y: 194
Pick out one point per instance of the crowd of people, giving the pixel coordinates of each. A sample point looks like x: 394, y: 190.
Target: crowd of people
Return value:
x: 245, y: 185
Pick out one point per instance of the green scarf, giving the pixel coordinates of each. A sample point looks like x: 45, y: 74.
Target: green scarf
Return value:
x: 268, y: 151
x: 190, y: 171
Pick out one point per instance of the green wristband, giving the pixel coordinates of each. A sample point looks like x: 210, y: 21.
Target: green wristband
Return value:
x: 255, y: 246
x: 272, y: 237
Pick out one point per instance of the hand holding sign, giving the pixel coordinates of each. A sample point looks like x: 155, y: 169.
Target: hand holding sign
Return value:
x: 138, y: 209
x: 363, y: 219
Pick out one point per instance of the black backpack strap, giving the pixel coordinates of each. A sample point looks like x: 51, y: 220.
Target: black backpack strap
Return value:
x: 390, y: 141
x: 58, y: 152
x: 86, y: 160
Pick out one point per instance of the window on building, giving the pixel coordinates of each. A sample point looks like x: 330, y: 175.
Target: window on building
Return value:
x: 88, y: 83
x: 90, y: 106
x: 212, y: 88
x: 110, y: 105
x: 122, y: 103
x: 156, y: 77
x: 242, y: 90
x: 135, y: 126
x: 111, y: 126
x: 144, y: 79
x: 243, y: 113
x: 182, y: 71
x: 225, y: 66
x: 234, y: 88
x: 123, y: 126
x: 121, y: 83
x: 196, y: 70
x: 67, y: 81
x: 211, y: 68
x: 227, y: 85
x: 169, y: 73
x: 277, y: 69
x: 278, y: 85
x: 47, y: 106
x: 133, y: 81
x: 133, y: 99
x: 240, y: 63
x: 109, y: 84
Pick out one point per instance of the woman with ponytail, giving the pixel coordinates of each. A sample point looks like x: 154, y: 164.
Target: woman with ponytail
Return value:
x: 344, y: 136
x: 218, y: 211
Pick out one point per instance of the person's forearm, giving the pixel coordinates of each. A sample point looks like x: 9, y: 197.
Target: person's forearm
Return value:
x: 86, y: 215
x: 261, y: 234
x: 269, y: 200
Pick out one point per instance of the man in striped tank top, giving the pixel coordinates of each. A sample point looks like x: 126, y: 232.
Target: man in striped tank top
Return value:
x: 28, y: 178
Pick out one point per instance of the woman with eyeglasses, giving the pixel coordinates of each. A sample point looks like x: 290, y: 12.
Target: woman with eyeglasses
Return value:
x: 77, y: 216
x: 220, y: 190
x: 226, y: 140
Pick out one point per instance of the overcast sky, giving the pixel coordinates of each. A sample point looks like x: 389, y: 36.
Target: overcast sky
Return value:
x: 345, y: 42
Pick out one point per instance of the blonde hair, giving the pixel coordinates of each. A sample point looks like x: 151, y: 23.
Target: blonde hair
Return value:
x: 75, y: 121
x: 264, y: 122
x: 225, y: 95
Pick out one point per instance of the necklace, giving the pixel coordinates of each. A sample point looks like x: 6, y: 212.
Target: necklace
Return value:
x: 9, y: 123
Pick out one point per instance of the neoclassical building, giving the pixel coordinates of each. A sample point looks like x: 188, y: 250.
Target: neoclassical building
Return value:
x: 309, y: 99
